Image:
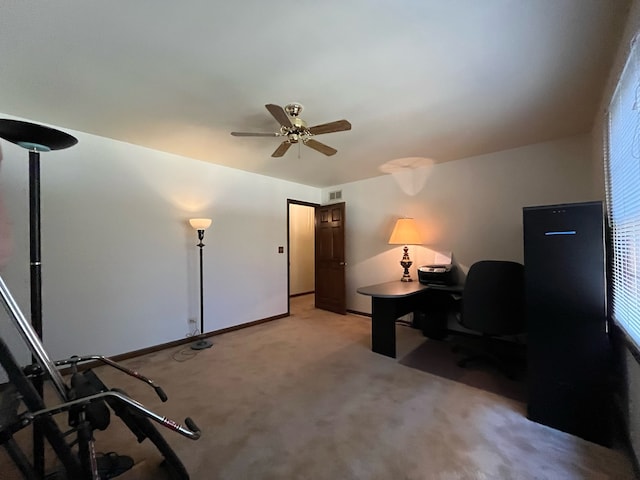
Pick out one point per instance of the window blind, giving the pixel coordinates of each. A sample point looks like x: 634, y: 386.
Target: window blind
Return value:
x: 622, y: 170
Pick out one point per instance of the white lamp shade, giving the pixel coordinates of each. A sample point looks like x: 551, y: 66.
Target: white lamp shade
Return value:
x: 200, y: 223
x: 405, y: 232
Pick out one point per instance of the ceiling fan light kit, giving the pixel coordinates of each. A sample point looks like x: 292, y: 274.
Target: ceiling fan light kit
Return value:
x: 295, y: 130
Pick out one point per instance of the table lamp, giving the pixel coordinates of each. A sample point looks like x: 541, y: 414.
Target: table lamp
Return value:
x: 405, y: 232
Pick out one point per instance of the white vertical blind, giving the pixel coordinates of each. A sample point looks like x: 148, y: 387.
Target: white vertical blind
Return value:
x: 623, y: 195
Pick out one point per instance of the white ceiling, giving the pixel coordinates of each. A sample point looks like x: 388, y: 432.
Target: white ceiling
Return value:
x: 434, y: 79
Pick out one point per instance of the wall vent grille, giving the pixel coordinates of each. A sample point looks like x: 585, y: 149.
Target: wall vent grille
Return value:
x: 337, y: 195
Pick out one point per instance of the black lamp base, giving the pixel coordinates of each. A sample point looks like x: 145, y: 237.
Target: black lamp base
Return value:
x: 406, y: 263
x: 406, y: 277
x: 201, y: 344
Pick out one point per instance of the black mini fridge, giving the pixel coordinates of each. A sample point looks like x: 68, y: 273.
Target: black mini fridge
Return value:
x: 568, y: 350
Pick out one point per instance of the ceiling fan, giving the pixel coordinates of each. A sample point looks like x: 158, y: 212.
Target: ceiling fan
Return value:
x: 295, y: 130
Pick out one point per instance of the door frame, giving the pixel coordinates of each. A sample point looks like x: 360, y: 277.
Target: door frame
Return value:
x: 291, y: 201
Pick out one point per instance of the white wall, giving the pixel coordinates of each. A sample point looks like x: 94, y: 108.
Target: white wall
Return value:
x: 120, y: 265
x: 301, y: 249
x: 471, y: 207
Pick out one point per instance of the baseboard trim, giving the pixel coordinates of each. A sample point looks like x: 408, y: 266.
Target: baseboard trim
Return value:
x: 301, y: 294
x: 156, y: 348
x: 356, y: 312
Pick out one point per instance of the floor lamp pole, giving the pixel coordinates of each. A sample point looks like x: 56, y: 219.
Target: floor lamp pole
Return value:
x: 201, y: 224
x: 36, y: 289
x: 200, y: 245
x: 34, y: 241
x: 36, y: 139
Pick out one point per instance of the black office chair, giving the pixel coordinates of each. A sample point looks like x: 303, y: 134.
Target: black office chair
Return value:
x: 493, y: 305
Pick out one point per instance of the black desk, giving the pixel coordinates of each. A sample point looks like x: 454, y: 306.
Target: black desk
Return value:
x: 391, y: 300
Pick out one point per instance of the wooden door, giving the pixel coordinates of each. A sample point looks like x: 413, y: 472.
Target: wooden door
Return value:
x: 330, y: 261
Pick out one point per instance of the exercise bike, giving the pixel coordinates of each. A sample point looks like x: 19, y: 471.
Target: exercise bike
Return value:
x: 88, y: 403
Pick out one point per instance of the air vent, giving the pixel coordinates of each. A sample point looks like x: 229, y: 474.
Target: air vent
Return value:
x: 337, y: 195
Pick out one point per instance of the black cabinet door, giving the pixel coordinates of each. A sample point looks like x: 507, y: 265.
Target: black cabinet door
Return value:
x: 568, y: 347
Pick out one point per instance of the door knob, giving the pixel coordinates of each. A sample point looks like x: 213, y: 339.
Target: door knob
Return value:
x: 343, y: 264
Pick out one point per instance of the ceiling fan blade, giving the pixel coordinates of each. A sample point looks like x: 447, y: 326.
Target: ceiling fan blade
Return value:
x: 282, y: 149
x: 279, y: 114
x: 337, y: 126
x: 251, y: 134
x: 320, y: 147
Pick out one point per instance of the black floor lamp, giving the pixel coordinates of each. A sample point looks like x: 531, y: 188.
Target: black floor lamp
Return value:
x: 36, y: 139
x: 201, y: 224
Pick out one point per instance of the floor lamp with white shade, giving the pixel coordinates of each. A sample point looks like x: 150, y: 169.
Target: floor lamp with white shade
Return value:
x: 201, y: 224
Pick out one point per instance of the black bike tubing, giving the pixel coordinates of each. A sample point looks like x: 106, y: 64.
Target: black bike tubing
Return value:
x: 86, y: 449
x: 149, y: 430
x: 34, y: 402
x: 178, y: 470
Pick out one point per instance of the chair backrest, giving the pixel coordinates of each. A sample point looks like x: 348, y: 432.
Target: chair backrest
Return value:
x: 493, y: 298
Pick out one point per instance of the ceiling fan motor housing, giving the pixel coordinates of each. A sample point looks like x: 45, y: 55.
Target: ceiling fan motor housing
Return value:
x: 298, y: 130
x: 293, y: 109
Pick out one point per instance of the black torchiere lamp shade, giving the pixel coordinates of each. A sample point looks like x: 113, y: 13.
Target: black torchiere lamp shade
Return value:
x: 35, y: 138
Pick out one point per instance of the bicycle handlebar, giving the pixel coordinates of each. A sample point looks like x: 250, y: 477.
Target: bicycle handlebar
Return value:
x: 191, y: 430
x: 107, y: 361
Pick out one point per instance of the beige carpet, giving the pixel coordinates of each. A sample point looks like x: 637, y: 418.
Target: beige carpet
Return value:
x: 304, y: 398
x: 439, y: 358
